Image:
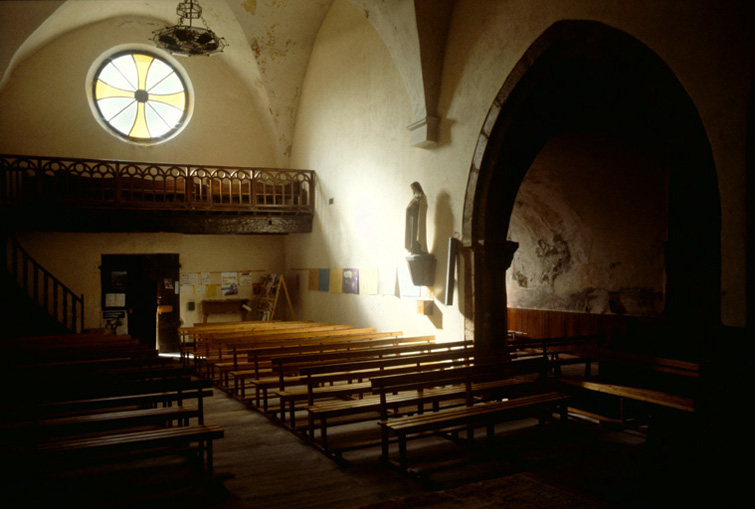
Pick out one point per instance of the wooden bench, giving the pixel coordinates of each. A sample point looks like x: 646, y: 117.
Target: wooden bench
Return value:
x: 107, y: 422
x: 219, y: 350
x: 153, y: 394
x: 322, y: 413
x: 59, y: 453
x: 630, y: 388
x: 191, y: 337
x: 327, y: 376
x: 525, y: 382
x: 559, y: 351
x: 257, y: 359
x: 270, y: 361
x: 75, y: 405
x: 486, y: 414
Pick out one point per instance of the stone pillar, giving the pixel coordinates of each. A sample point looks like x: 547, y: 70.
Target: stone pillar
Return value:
x: 492, y: 259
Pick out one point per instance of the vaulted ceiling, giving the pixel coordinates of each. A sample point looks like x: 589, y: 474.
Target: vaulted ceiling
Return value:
x: 269, y: 45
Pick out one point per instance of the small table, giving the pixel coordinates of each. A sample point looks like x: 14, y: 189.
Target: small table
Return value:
x: 227, y: 306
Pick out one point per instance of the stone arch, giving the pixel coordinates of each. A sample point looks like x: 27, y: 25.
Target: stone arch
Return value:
x: 576, y: 65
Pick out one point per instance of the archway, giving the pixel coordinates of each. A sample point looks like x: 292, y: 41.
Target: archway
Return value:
x: 580, y: 78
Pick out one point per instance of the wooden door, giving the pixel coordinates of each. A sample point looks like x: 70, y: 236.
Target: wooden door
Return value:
x: 143, y: 287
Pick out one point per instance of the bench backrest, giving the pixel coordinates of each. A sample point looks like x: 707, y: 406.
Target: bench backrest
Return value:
x: 566, y: 343
x: 236, y: 336
x: 363, y: 351
x: 195, y: 332
x: 366, y: 369
x: 303, y: 338
x: 321, y: 350
x: 473, y: 373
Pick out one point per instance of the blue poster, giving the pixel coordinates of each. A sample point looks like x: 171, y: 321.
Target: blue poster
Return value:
x: 323, y: 283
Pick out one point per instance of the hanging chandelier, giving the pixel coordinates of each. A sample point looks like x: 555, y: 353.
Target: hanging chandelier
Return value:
x: 185, y: 39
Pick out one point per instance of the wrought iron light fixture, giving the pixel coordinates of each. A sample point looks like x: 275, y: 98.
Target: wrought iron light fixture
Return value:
x: 185, y: 39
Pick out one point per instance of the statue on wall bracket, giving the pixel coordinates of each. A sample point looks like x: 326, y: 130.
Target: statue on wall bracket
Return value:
x: 421, y: 263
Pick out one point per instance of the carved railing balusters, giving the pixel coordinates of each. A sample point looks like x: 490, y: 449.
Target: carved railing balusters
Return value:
x: 86, y: 183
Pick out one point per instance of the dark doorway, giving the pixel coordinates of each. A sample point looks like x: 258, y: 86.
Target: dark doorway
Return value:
x: 143, y: 289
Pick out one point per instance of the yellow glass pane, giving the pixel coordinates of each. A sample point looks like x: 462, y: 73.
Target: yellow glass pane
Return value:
x: 142, y: 66
x: 176, y: 100
x: 102, y: 91
x: 140, y: 130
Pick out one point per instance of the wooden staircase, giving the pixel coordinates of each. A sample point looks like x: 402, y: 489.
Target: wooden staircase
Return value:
x: 35, y: 301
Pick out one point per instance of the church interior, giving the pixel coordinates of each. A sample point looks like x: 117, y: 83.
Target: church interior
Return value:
x: 551, y: 190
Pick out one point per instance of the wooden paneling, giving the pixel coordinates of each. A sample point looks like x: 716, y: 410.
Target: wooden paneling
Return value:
x: 541, y: 323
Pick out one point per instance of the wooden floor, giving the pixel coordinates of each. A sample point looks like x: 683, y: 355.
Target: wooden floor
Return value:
x: 582, y: 465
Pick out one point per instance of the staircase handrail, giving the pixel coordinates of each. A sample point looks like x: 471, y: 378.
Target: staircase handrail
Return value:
x: 46, y: 290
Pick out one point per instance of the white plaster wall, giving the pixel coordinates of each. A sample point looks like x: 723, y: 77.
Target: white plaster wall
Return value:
x: 707, y: 44
x: 75, y: 258
x: 353, y: 110
x: 44, y: 108
x: 351, y: 129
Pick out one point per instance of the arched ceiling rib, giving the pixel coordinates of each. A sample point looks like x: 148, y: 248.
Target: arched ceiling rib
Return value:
x: 270, y: 42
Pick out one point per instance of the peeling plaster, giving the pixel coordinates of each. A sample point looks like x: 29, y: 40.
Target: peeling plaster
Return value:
x: 568, y: 215
x: 250, y: 6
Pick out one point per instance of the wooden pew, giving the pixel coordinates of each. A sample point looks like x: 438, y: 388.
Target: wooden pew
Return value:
x: 255, y: 356
x: 630, y: 388
x: 60, y: 454
x: 323, y: 414
x: 156, y: 393
x: 261, y: 359
x: 235, y: 353
x: 46, y: 386
x: 220, y: 349
x: 75, y: 404
x: 525, y: 397
x: 191, y: 337
x: 559, y: 351
x: 327, y: 377
x: 265, y: 380
x: 107, y: 422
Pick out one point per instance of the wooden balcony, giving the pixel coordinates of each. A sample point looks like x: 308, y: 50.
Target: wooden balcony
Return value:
x: 63, y: 194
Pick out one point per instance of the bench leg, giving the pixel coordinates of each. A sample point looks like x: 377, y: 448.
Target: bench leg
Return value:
x: 292, y: 414
x: 384, y: 443
x: 311, y: 426
x: 324, y: 432
x: 403, y: 462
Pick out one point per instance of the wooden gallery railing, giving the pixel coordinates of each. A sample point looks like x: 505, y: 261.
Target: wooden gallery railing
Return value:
x: 43, y: 288
x: 87, y: 183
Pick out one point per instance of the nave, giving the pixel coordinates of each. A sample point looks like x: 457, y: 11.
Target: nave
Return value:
x: 588, y: 466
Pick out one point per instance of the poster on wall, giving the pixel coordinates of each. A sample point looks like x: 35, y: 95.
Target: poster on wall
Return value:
x: 335, y: 285
x: 189, y: 278
x: 313, y: 279
x: 245, y: 278
x: 350, y: 280
x: 323, y: 281
x: 115, y: 322
x: 118, y: 280
x: 229, y: 283
x: 115, y: 300
x: 368, y: 281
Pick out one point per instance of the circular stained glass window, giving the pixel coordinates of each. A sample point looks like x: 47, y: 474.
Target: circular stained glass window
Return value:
x: 141, y: 97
